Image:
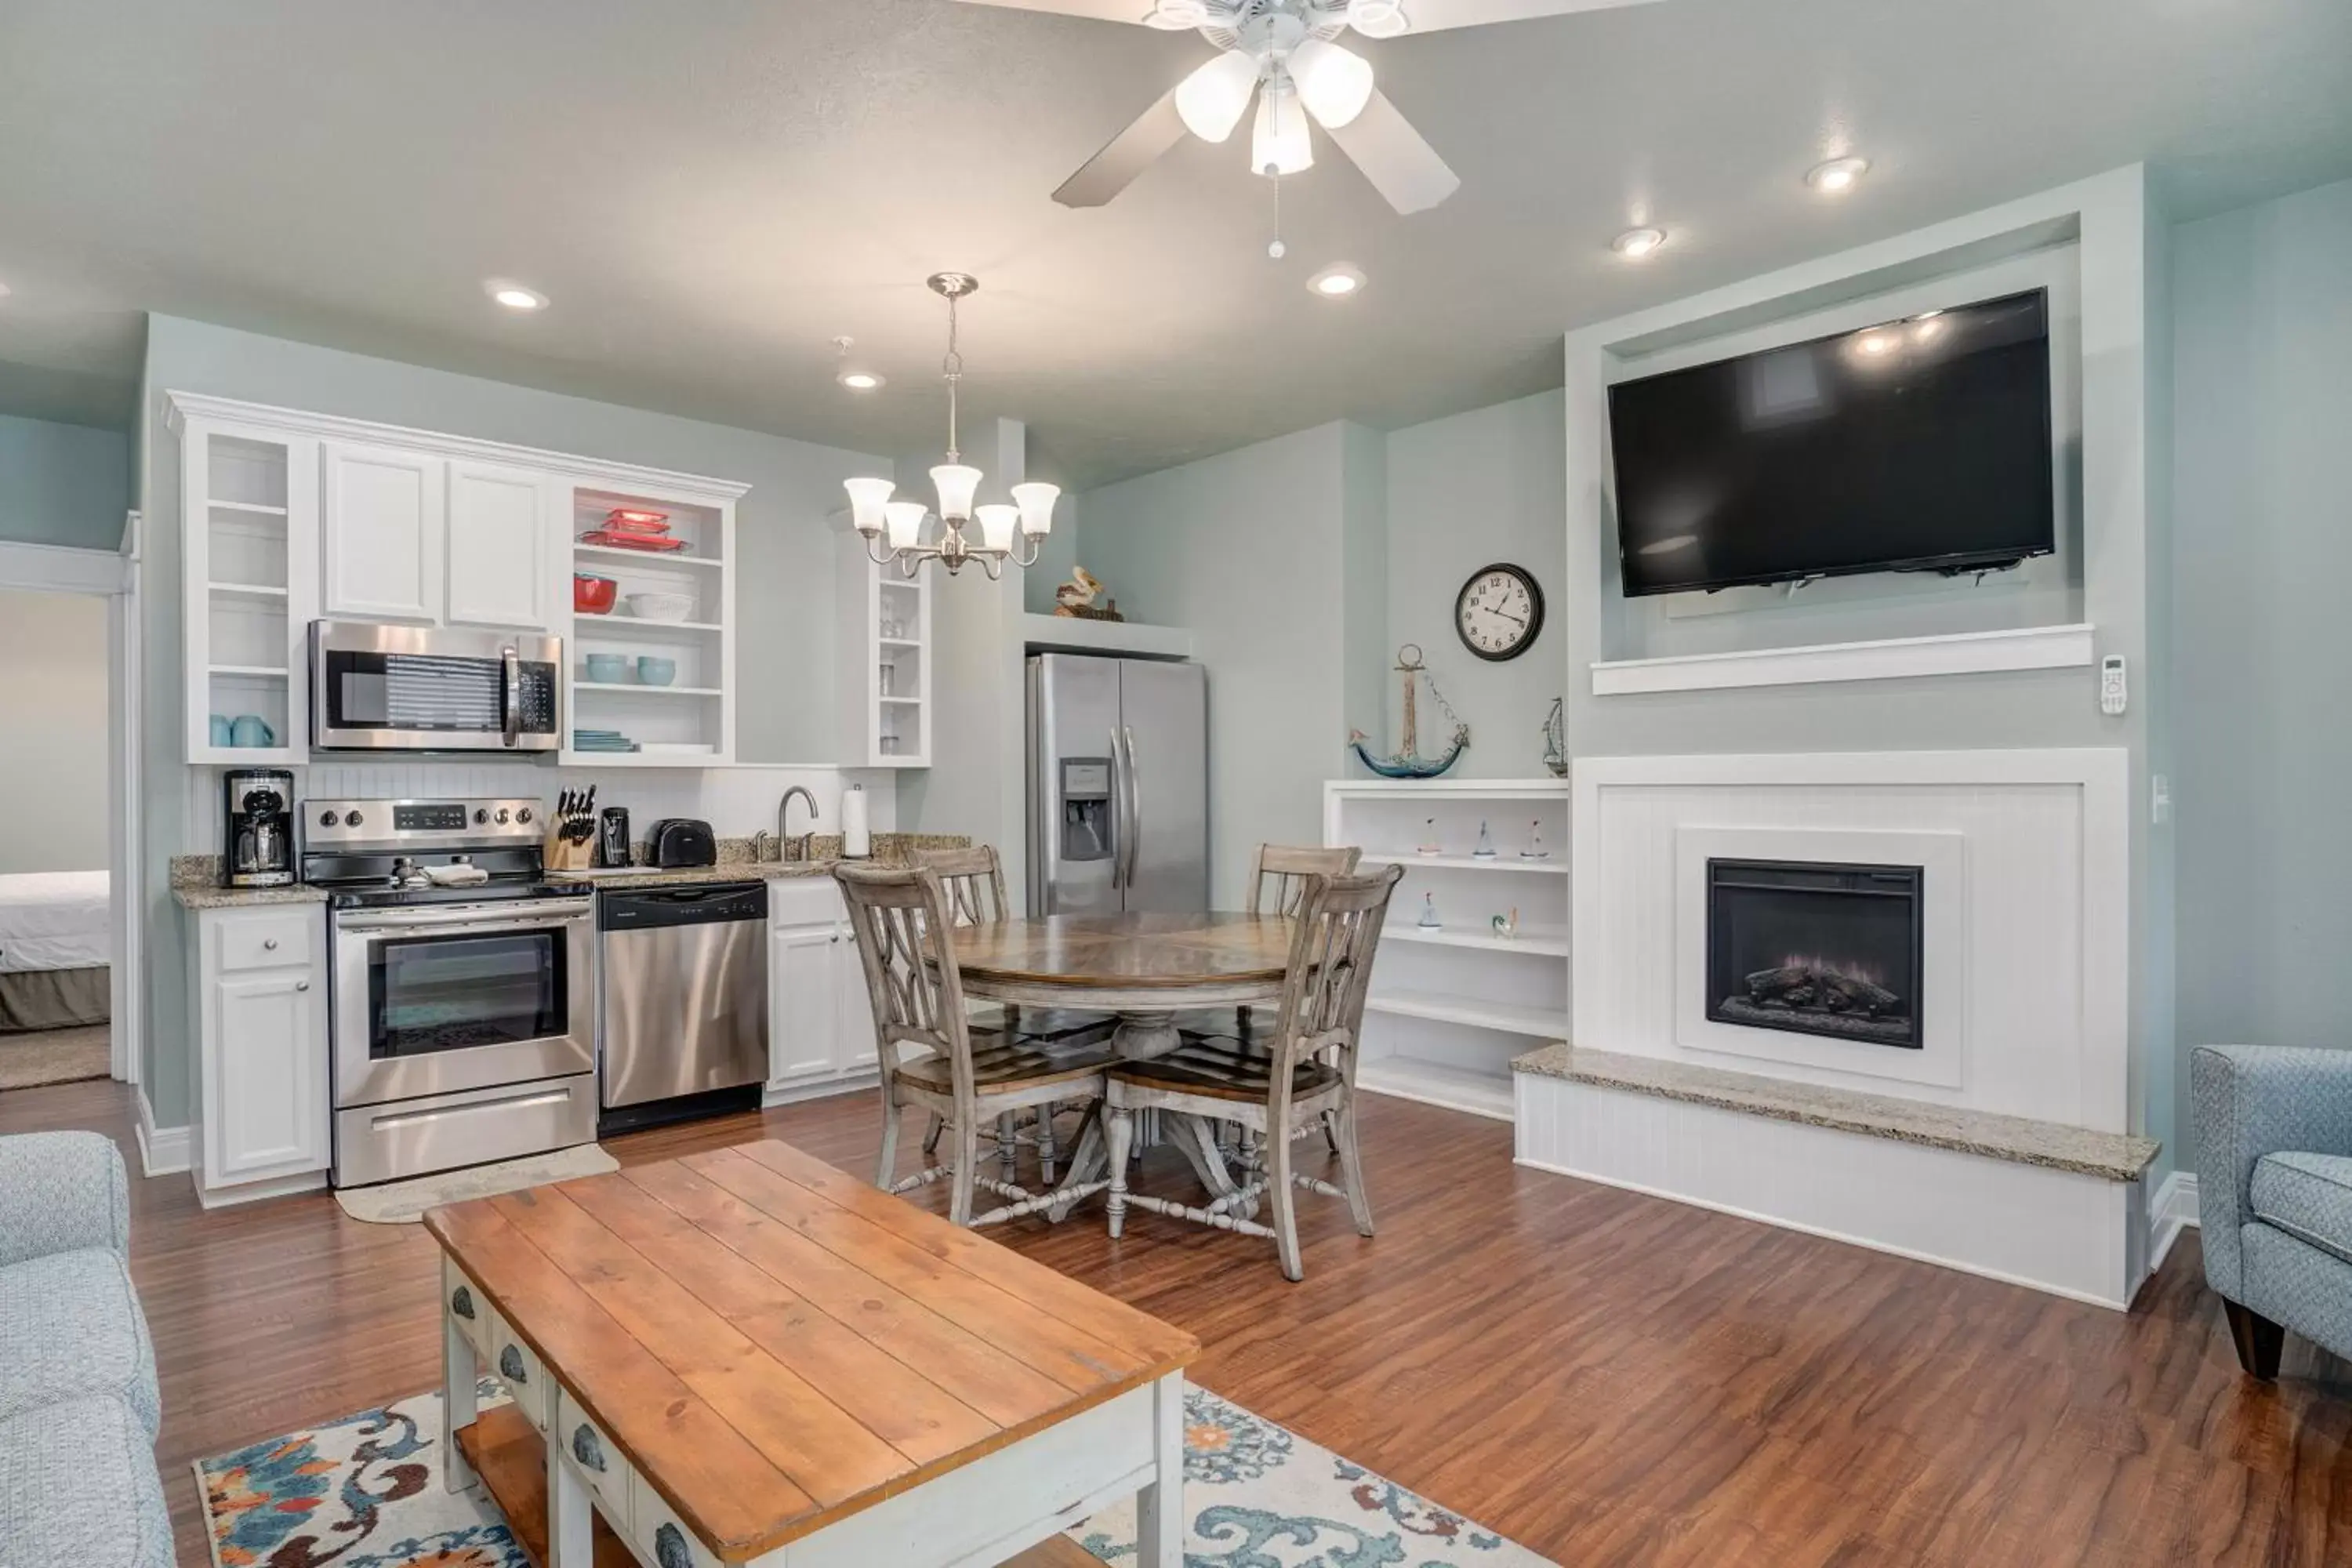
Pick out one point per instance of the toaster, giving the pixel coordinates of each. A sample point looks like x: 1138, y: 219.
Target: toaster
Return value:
x: 681, y: 841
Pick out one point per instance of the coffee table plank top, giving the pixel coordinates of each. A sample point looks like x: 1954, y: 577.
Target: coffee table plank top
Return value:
x: 775, y: 1345
x: 1126, y: 950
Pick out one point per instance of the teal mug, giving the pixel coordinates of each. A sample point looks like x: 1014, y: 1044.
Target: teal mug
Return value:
x: 250, y: 732
x: 221, y: 734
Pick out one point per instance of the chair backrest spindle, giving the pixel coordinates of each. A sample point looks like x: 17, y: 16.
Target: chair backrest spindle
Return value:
x: 1289, y: 870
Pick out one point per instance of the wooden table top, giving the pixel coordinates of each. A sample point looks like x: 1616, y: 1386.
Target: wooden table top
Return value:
x: 775, y: 1344
x: 1128, y: 951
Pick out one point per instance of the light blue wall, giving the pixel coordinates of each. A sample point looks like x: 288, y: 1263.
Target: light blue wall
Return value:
x: 2262, y: 549
x: 63, y: 484
x: 785, y: 587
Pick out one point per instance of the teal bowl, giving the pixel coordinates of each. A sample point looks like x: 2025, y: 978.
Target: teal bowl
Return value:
x: 608, y: 667
x: 652, y: 671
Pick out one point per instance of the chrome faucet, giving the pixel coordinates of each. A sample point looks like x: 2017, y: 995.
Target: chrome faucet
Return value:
x: 787, y: 847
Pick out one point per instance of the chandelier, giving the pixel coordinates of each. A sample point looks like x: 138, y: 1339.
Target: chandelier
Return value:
x: 900, y: 523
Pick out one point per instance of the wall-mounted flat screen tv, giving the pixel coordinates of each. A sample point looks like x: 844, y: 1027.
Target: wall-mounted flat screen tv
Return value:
x: 1917, y: 444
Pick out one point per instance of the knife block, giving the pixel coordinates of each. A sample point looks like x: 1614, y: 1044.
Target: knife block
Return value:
x: 562, y: 855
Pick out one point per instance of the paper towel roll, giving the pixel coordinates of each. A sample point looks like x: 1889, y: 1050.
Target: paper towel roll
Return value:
x: 856, y: 842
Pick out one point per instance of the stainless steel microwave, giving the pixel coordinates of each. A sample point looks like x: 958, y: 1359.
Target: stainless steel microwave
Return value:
x: 377, y: 688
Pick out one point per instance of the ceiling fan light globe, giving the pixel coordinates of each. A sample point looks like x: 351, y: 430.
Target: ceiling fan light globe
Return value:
x: 1378, y: 18
x: 1213, y: 100
x: 867, y: 500
x: 1281, y: 144
x: 1334, y: 83
x: 1037, y: 503
x: 905, y: 518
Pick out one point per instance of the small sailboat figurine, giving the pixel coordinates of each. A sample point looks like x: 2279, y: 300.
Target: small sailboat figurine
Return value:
x: 1485, y: 850
x: 1429, y: 921
x: 1535, y: 849
x: 1430, y: 845
x: 1408, y: 762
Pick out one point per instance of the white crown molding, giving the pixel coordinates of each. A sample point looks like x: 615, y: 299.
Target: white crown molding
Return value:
x: 61, y: 569
x: 182, y: 407
x: 1892, y: 658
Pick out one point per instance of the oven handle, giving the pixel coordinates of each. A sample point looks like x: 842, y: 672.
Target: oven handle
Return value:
x: 405, y: 1118
x: 550, y: 912
x: 512, y: 660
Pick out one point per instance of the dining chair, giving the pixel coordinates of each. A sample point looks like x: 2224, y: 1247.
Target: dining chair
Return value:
x: 974, y: 879
x: 931, y: 1058
x: 1289, y: 870
x: 1277, y: 1086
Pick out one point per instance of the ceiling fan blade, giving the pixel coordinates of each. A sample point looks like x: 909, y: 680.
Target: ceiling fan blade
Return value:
x: 1393, y: 155
x: 1130, y: 153
x: 1435, y: 16
x: 1092, y: 10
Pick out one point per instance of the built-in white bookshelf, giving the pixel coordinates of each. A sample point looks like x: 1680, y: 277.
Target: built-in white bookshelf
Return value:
x: 688, y: 720
x: 887, y: 661
x: 1452, y: 1004
x: 250, y: 589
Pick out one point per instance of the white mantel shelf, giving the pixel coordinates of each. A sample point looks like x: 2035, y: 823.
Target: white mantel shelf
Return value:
x: 1960, y: 653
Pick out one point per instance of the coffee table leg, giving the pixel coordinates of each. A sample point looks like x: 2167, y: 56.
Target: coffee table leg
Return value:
x: 571, y: 1522
x: 457, y: 1402
x: 1160, y: 1507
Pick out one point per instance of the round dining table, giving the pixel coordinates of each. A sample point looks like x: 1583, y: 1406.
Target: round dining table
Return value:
x: 1146, y: 969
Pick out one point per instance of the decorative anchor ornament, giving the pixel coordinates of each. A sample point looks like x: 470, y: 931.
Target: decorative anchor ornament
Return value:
x: 1408, y: 762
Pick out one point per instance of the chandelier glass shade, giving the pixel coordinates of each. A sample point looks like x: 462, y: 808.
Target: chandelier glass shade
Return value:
x: 893, y: 530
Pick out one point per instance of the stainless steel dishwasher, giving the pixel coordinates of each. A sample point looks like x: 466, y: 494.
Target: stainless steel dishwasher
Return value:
x: 684, y: 1011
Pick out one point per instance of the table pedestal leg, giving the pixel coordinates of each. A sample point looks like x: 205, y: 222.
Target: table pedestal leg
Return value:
x: 1141, y: 1036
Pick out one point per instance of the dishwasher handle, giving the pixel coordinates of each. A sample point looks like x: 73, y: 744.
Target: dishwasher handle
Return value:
x: 663, y: 907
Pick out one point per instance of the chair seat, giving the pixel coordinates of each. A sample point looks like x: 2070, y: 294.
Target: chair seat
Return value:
x: 2309, y: 1196
x: 70, y: 1325
x: 999, y: 1064
x: 1222, y: 1067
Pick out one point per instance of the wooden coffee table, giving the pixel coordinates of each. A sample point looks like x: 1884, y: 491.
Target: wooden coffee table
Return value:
x: 749, y: 1356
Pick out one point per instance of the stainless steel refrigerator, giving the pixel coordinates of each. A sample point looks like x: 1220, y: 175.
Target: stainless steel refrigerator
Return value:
x: 1118, y: 785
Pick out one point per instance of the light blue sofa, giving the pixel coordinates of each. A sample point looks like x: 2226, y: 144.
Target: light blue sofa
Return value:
x: 2274, y: 1194
x: 78, y: 1400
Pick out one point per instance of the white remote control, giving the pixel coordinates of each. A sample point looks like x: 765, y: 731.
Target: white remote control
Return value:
x: 2113, y: 696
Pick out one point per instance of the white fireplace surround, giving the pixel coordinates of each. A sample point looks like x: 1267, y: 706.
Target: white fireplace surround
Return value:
x: 2026, y: 944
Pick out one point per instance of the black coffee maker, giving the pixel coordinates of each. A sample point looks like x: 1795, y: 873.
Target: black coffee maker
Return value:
x: 258, y: 825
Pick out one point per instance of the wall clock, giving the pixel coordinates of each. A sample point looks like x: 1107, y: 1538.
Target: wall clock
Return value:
x: 1499, y: 611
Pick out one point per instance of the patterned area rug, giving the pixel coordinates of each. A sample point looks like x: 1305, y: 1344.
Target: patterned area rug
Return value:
x: 365, y: 1492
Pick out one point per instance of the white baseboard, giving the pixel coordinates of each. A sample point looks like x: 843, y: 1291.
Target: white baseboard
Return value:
x: 2173, y: 1211
x: 163, y: 1151
x: 824, y: 1089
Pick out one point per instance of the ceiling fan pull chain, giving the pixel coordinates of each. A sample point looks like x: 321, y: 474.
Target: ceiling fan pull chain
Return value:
x: 1276, y: 251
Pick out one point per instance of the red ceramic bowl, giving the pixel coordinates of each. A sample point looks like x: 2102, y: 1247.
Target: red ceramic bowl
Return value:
x: 592, y: 594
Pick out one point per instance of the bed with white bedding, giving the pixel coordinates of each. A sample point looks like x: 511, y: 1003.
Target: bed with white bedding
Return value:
x: 56, y: 940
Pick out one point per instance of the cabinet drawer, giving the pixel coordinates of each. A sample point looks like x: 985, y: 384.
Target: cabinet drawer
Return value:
x: 663, y: 1539
x: 519, y: 1369
x: 468, y: 1308
x: 805, y: 901
x: 594, y: 1455
x: 272, y: 940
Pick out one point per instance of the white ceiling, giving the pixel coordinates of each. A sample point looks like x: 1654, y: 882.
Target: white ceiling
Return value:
x: 709, y: 192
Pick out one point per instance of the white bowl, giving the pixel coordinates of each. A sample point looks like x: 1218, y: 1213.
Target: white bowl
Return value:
x: 660, y: 606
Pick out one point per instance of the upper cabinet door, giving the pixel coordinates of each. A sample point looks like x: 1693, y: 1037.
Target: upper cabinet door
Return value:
x: 382, y: 526
x: 497, y: 547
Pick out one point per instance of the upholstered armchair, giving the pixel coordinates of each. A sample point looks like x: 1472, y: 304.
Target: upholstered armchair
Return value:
x: 2274, y: 1194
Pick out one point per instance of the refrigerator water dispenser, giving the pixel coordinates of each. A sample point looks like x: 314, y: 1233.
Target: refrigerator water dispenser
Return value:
x: 1086, y: 833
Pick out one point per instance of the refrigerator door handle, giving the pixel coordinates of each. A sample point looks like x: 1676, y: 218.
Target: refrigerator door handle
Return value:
x: 1122, y: 832
x: 1134, y: 808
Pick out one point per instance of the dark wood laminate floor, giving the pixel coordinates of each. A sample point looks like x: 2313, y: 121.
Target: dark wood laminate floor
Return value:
x: 1608, y: 1378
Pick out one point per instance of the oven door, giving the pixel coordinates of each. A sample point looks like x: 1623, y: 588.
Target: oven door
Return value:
x: 434, y: 1000
x: 425, y: 689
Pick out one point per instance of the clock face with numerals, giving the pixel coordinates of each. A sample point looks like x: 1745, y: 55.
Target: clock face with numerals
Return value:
x: 1498, y: 612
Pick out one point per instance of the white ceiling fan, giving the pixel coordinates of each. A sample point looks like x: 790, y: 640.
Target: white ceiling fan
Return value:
x: 1283, y: 54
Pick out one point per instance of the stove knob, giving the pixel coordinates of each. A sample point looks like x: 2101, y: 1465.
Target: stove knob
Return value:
x: 523, y: 816
x: 326, y: 819
x: 481, y: 815
x: 502, y: 817
x: 351, y: 819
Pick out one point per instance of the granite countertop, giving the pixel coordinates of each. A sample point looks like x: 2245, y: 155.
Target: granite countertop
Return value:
x: 2115, y: 1156
x: 237, y: 898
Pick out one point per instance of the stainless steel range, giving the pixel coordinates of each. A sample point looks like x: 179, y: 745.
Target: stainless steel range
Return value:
x: 463, y: 989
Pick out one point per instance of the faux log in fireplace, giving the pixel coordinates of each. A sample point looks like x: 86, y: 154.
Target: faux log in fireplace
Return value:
x: 1815, y: 949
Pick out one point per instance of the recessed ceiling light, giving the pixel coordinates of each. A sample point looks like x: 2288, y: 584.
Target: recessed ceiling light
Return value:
x: 514, y: 296
x: 1838, y: 175
x: 1337, y: 282
x: 860, y: 380
x: 1636, y: 243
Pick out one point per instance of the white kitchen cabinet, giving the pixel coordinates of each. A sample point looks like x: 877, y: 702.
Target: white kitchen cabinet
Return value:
x: 803, y: 1003
x: 384, y: 530
x: 498, y: 550
x: 259, y: 975
x: 854, y: 1051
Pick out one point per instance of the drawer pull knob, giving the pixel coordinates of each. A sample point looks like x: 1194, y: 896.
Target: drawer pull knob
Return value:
x: 461, y: 1301
x: 586, y: 1449
x: 510, y: 1366
x: 669, y: 1548
x: 269, y: 944
x: 301, y: 985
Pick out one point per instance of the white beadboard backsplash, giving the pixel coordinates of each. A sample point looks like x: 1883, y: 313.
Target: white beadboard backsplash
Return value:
x: 736, y: 801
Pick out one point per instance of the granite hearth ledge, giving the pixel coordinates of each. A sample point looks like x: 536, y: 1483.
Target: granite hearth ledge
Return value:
x: 2053, y: 1145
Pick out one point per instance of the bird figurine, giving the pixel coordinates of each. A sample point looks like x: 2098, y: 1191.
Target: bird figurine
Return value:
x: 1076, y: 598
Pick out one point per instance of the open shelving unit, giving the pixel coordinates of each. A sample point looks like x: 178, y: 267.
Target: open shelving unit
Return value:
x: 886, y: 648
x: 251, y: 582
x: 691, y: 719
x: 1451, y: 1005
